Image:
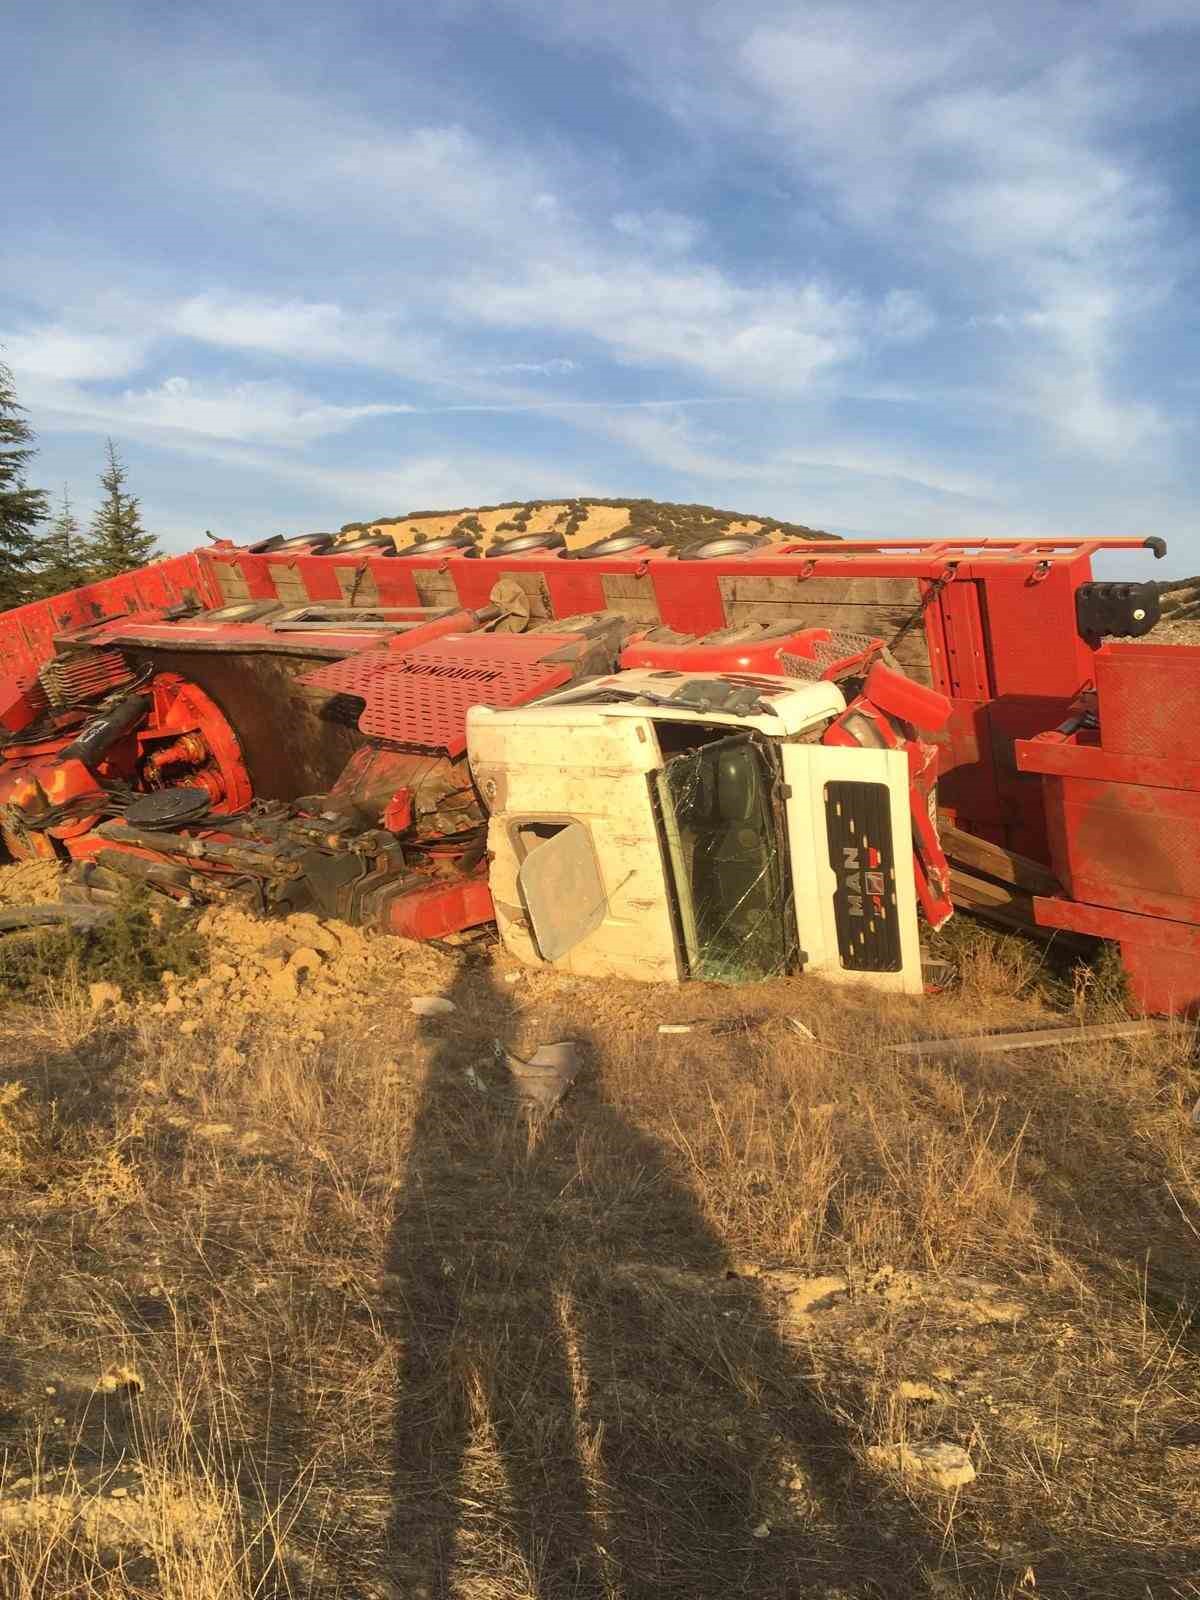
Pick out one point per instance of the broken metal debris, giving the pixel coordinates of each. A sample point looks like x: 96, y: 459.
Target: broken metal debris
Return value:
x: 543, y: 1081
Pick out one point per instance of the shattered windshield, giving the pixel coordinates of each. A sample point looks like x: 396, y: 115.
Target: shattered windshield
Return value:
x: 723, y: 848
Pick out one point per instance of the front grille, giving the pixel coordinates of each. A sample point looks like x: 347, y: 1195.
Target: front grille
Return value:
x: 858, y: 824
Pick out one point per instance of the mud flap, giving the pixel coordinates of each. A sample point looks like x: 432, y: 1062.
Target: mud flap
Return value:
x: 852, y: 865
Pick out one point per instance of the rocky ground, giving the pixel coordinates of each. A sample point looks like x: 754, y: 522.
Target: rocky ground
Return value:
x: 298, y: 1298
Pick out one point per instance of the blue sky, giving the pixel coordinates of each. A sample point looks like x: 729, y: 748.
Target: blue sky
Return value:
x: 907, y: 269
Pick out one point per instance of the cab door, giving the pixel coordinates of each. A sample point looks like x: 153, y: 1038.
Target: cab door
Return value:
x: 852, y: 865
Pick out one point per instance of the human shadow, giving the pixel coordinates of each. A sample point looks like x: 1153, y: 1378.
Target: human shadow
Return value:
x: 588, y: 1390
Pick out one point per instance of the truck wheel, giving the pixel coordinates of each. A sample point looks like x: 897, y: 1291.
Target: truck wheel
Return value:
x: 527, y: 541
x: 730, y: 544
x: 616, y: 545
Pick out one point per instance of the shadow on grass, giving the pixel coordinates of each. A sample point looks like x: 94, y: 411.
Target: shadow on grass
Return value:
x: 579, y: 1413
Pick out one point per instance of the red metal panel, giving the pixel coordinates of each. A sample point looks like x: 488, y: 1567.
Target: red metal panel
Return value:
x: 421, y: 696
x: 954, y: 629
x: 1161, y: 959
x: 689, y: 595
x: 27, y: 633
x: 1126, y: 845
x: 318, y: 574
x: 1072, y: 760
x: 1102, y: 922
x: 1148, y: 697
x: 394, y: 582
x: 1033, y: 638
x: 256, y: 573
x: 475, y: 579
x: 1162, y: 982
x: 575, y: 588
x: 441, y: 909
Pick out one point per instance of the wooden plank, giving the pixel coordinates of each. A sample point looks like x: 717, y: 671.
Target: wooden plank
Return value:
x: 1039, y: 1039
x: 883, y: 620
x: 903, y: 594
x: 289, y: 586
x: 994, y: 860
x: 231, y: 581
x: 357, y: 585
x: 435, y: 588
x: 880, y: 619
x: 1007, y: 907
x: 632, y: 597
x: 982, y: 892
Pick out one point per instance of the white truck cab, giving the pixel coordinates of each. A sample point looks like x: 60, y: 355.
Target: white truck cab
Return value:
x: 668, y: 825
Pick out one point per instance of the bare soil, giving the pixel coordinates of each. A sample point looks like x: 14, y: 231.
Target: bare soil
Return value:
x: 296, y: 1300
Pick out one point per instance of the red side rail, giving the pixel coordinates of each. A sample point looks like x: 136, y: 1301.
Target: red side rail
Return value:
x: 27, y: 634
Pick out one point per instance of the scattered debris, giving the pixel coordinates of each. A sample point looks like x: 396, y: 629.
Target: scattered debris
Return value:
x: 802, y: 1028
x: 544, y: 1079
x: 918, y: 1393
x: 936, y: 974
x: 946, y: 1466
x: 675, y: 1027
x: 53, y: 915
x: 431, y: 1005
x: 1039, y: 1038
x: 802, y: 1295
x: 103, y: 994
x: 120, y: 1380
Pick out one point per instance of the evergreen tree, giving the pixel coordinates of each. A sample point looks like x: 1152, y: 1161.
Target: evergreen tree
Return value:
x: 116, y: 542
x: 60, y: 554
x: 21, y: 508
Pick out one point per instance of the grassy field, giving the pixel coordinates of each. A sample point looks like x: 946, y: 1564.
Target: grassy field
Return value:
x: 295, y: 1302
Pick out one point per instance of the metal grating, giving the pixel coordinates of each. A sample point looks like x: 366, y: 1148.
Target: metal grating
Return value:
x: 421, y: 696
x: 83, y: 673
x: 838, y: 647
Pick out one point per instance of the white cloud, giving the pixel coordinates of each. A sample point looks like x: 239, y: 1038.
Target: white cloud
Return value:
x: 71, y: 354
x: 555, y: 367
x: 265, y: 413
x: 693, y: 318
x: 668, y: 232
x: 999, y: 156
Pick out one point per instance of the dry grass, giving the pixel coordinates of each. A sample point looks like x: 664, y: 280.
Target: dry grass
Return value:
x: 340, y: 1324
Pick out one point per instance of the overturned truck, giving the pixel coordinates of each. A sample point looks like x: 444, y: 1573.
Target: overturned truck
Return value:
x: 736, y: 760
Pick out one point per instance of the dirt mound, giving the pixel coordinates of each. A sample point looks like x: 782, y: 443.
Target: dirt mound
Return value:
x: 301, y: 971
x: 30, y: 882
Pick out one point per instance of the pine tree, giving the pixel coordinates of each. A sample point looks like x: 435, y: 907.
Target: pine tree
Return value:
x: 60, y: 554
x: 21, y: 508
x: 116, y: 542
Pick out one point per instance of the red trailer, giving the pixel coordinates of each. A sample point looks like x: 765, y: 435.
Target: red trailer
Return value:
x: 312, y: 695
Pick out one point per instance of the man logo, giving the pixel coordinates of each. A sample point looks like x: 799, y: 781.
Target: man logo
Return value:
x: 852, y: 880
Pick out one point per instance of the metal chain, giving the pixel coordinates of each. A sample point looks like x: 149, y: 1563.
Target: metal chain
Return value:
x: 930, y: 595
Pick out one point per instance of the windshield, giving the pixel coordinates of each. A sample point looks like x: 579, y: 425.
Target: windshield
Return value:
x: 723, y: 848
